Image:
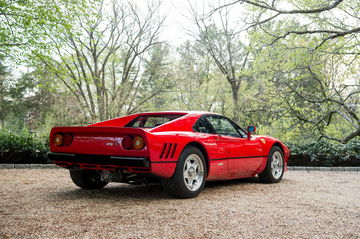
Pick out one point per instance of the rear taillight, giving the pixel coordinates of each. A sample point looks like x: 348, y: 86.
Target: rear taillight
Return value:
x: 59, y: 139
x: 127, y: 142
x: 63, y: 139
x: 136, y: 142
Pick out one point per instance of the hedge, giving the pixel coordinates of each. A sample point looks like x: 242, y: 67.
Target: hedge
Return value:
x: 26, y: 149
x: 22, y: 149
x: 324, y: 153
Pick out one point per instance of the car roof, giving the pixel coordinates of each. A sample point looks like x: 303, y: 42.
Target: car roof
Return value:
x: 122, y: 121
x: 177, y: 112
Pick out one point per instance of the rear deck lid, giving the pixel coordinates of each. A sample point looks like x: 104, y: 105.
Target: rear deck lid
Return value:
x: 98, y: 141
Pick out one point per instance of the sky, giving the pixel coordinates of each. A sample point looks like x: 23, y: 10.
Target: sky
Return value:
x: 177, y: 12
x: 174, y: 30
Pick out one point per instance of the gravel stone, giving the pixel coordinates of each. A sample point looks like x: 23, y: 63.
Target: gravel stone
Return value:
x: 44, y: 203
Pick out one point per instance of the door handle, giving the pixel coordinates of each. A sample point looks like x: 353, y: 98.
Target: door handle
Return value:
x: 218, y: 136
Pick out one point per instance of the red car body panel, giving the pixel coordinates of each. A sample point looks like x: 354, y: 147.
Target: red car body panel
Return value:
x: 226, y: 157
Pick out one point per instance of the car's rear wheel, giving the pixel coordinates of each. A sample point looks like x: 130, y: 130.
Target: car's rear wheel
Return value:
x: 189, y: 177
x: 274, y: 169
x: 87, y: 179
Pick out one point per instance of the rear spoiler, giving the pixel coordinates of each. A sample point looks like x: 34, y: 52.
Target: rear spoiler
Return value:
x: 97, y: 130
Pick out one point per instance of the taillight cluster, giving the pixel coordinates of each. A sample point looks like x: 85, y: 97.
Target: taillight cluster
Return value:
x: 63, y: 139
x: 133, y: 142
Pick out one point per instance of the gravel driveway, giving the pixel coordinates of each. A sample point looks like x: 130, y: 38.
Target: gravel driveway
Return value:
x: 44, y: 203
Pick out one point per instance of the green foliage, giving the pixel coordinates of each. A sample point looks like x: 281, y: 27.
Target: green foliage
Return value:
x: 22, y: 148
x: 32, y: 23
x: 19, y: 143
x: 274, y: 87
x: 24, y: 101
x: 324, y: 153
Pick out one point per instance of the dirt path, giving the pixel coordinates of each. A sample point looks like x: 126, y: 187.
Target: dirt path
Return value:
x: 44, y: 203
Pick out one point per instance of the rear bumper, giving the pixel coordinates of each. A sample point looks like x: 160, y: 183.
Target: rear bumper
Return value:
x: 101, y: 162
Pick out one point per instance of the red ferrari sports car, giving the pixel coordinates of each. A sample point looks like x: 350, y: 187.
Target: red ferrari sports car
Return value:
x: 183, y: 149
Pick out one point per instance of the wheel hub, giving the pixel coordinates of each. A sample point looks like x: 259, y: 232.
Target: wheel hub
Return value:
x: 193, y: 173
x: 277, y: 165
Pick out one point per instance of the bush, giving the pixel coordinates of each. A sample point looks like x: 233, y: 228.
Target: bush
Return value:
x: 324, y: 153
x: 22, y: 149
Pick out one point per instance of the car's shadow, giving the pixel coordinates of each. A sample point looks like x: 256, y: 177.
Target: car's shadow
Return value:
x: 149, y: 192
x: 224, y: 183
x: 116, y: 192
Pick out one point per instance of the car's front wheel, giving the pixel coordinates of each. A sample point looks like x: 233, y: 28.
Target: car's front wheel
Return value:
x: 274, y: 169
x: 189, y: 177
x: 87, y: 179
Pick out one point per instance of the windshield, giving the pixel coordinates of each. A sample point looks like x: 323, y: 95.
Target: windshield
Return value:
x: 151, y: 121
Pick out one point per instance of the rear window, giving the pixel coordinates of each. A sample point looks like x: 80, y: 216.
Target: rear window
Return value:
x: 151, y: 121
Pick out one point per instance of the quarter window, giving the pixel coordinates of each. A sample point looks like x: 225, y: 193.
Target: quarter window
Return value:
x: 203, y: 126
x: 151, y: 121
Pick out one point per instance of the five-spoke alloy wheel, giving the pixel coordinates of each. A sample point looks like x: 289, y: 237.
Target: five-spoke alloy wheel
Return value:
x: 189, y: 177
x: 277, y: 165
x: 274, y: 169
x: 193, y: 172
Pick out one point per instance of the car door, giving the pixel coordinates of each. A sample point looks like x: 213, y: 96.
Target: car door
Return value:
x: 242, y: 154
x: 217, y: 162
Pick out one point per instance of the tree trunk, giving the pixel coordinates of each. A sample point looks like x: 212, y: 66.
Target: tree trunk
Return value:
x: 235, y: 86
x: 2, y: 110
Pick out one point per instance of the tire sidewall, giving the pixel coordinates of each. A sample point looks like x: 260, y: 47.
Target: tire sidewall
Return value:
x: 176, y: 185
x: 81, y: 178
x: 270, y: 159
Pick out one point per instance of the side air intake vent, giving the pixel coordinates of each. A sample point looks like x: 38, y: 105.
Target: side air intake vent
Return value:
x: 168, y: 150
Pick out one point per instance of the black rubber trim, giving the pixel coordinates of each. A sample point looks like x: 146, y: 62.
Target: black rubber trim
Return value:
x: 100, y: 159
x: 248, y: 157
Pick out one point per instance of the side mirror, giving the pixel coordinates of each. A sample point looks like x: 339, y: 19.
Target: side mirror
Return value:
x: 250, y: 129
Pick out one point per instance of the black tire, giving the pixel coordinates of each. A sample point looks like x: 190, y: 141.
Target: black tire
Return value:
x: 87, y: 179
x: 178, y: 185
x: 268, y: 176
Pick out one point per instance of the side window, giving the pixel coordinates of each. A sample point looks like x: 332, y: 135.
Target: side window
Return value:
x: 223, y: 126
x: 240, y: 130
x: 203, y: 126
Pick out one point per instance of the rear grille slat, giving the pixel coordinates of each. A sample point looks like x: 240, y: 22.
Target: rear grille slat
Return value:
x: 163, y: 150
x: 168, y: 151
x: 173, y: 151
